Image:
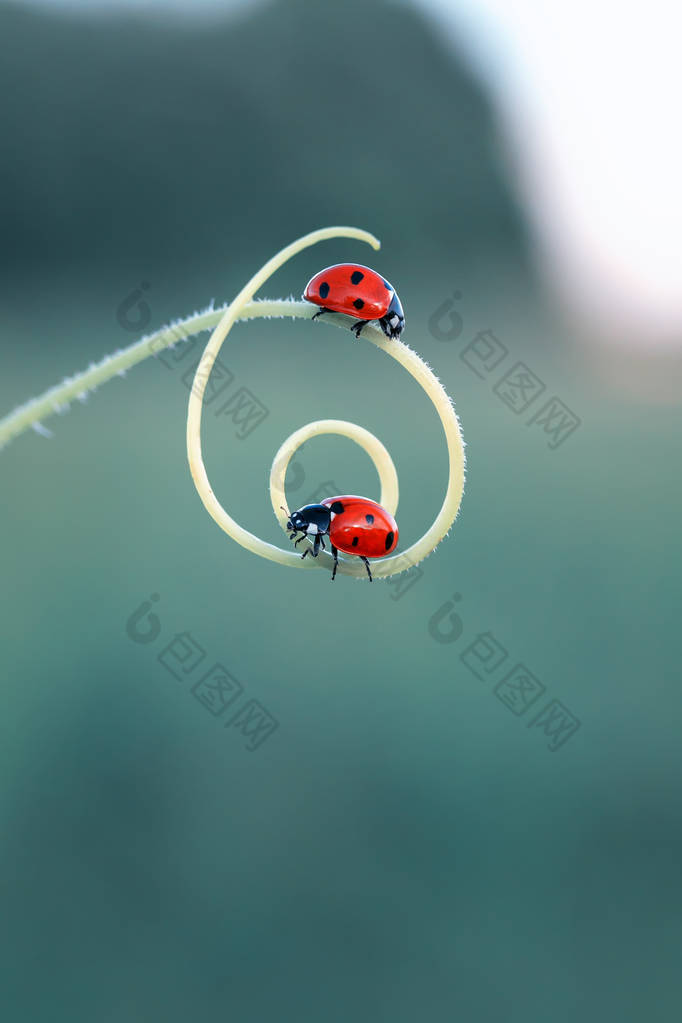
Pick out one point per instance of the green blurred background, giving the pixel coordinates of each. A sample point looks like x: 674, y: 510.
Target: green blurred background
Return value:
x: 403, y: 845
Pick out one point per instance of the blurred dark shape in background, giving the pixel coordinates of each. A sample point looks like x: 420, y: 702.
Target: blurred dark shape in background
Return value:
x: 151, y: 137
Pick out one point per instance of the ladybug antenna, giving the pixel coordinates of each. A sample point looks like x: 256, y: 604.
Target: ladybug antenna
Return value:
x: 284, y: 510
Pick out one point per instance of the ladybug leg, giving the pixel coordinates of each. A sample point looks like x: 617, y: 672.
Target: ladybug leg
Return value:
x: 336, y: 561
x: 357, y: 328
x: 314, y: 550
x: 319, y: 313
x: 367, y: 567
x: 322, y: 542
x: 299, y: 539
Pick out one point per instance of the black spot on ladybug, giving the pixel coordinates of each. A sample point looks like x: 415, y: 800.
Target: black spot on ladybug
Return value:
x: 389, y: 540
x: 356, y: 277
x: 324, y: 289
x: 370, y: 519
x: 355, y: 541
x: 358, y: 303
x: 336, y: 507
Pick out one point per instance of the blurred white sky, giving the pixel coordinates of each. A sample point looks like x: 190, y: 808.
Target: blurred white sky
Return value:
x: 588, y: 95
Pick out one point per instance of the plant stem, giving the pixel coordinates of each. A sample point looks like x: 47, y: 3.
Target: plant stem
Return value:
x: 57, y: 399
x: 382, y: 460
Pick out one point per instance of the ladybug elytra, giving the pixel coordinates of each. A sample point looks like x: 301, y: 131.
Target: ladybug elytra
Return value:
x: 357, y: 291
x: 355, y: 525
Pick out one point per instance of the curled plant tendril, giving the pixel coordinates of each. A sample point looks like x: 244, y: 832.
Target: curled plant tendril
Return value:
x: 56, y: 401
x: 381, y: 568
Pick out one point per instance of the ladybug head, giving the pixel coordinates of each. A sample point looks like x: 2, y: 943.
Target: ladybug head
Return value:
x: 312, y: 518
x: 292, y: 520
x: 299, y: 520
x: 392, y: 325
x: 393, y: 320
x: 296, y: 522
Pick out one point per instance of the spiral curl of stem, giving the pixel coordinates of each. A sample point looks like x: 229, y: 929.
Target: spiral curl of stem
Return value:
x: 57, y: 400
x: 384, y: 567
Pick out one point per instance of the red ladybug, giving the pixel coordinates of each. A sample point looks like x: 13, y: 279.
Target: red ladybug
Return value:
x: 357, y: 291
x: 355, y: 525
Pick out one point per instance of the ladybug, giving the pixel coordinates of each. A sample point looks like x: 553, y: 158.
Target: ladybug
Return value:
x: 357, y: 291
x: 355, y: 525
